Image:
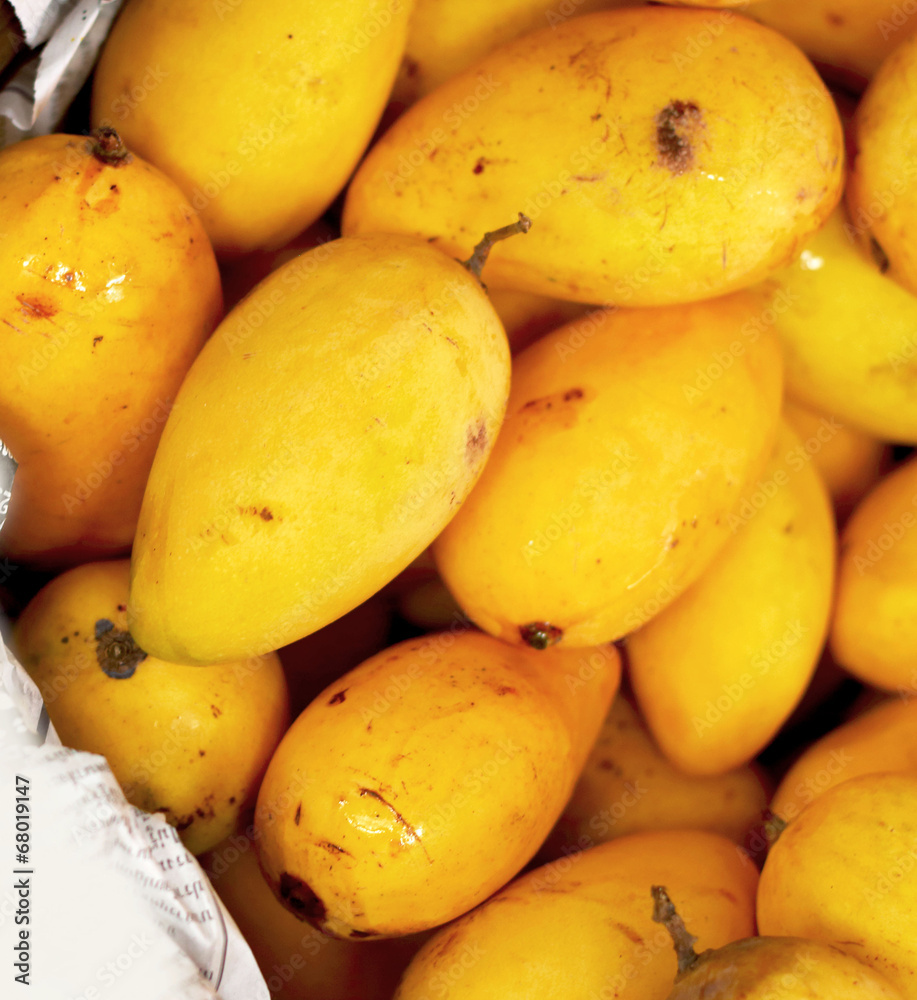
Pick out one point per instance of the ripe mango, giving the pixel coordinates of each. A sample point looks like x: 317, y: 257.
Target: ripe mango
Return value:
x: 423, y: 780
x: 655, y: 170
x: 259, y: 112
x: 326, y: 434
x: 93, y: 350
x: 630, y: 435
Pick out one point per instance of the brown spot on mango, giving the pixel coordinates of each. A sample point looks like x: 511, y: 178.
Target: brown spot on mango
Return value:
x: 476, y: 443
x: 35, y: 307
x: 677, y: 125
x: 300, y: 899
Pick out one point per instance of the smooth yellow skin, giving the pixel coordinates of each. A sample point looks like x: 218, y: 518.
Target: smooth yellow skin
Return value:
x: 823, y: 303
x: 634, y: 198
x: 445, y: 37
x: 848, y: 460
x: 843, y: 873
x: 874, y: 630
x: 883, y: 174
x: 884, y: 739
x: 189, y: 742
x: 849, y: 38
x: 720, y: 671
x: 423, y: 780
x: 93, y: 351
x: 628, y: 785
x: 626, y: 444
x: 297, y: 961
x: 258, y: 112
x: 582, y: 926
x: 325, y: 435
x: 762, y: 968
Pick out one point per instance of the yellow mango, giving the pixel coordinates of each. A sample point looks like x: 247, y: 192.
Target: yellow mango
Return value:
x: 719, y: 671
x: 847, y: 39
x: 191, y: 743
x: 644, y: 188
x: 792, y: 968
x: 423, y: 780
x: 445, y: 37
x: 297, y: 961
x: 258, y: 112
x: 629, y: 437
x: 93, y: 351
x: 848, y: 460
x: 883, y: 739
x: 842, y: 872
x: 822, y: 303
x: 882, y: 188
x: 325, y: 435
x: 874, y: 629
x: 628, y: 785
x: 582, y: 926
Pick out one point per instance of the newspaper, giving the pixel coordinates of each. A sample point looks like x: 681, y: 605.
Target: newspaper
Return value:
x: 109, y: 901
x: 67, y: 36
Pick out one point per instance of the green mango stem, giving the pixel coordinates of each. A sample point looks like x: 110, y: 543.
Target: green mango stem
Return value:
x: 475, y: 263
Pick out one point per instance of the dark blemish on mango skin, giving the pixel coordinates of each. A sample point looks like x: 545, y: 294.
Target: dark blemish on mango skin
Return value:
x: 300, y: 899
x: 476, y: 443
x: 676, y: 126
x: 298, y: 815
x: 339, y: 697
x: 540, y: 635
x: 116, y: 652
x: 35, y: 308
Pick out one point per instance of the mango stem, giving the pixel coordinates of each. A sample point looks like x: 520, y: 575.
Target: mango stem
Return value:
x: 664, y: 913
x: 109, y: 147
x: 116, y: 651
x: 478, y: 259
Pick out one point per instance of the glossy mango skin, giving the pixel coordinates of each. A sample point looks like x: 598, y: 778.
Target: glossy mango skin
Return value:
x: 93, y: 351
x: 849, y: 460
x: 628, y: 786
x: 823, y: 302
x: 629, y: 437
x: 761, y: 968
x: 259, y: 113
x: 842, y: 873
x: 848, y: 38
x: 719, y: 671
x: 582, y: 926
x: 643, y: 188
x: 884, y: 739
x: 423, y: 780
x: 883, y: 176
x: 874, y: 628
x: 370, y: 376
x: 190, y: 742
x: 297, y: 961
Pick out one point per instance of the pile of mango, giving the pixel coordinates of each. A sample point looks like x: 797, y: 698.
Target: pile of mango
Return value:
x: 464, y: 482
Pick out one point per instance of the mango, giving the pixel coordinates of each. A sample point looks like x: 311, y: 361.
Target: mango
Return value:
x: 630, y: 436
x: 719, y: 671
x: 93, y: 351
x: 188, y: 742
x: 259, y: 113
x: 874, y: 627
x: 842, y: 873
x: 882, y: 186
x: 821, y: 303
x: 644, y: 188
x: 423, y: 780
x: 327, y: 433
x: 582, y: 926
